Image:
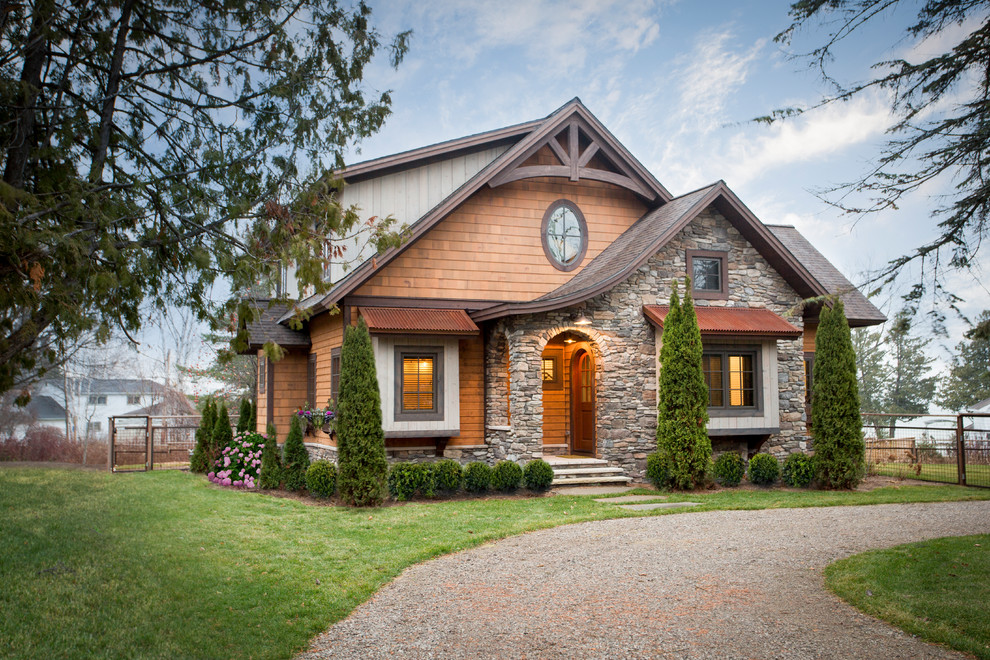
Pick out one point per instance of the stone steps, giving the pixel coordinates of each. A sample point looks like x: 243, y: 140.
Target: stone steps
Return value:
x: 584, y: 471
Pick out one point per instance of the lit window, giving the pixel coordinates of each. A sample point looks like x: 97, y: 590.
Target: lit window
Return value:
x: 565, y: 235
x: 417, y: 383
x: 731, y: 378
x: 549, y: 370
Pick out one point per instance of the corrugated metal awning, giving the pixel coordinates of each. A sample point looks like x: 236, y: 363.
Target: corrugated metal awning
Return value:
x: 408, y: 320
x: 735, y: 321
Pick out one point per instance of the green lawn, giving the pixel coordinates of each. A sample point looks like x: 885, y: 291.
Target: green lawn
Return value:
x: 164, y: 564
x: 938, y: 590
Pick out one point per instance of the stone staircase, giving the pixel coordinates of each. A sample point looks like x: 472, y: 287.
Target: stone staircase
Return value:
x: 578, y: 471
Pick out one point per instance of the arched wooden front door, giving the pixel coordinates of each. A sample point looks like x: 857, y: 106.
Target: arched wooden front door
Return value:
x: 582, y: 403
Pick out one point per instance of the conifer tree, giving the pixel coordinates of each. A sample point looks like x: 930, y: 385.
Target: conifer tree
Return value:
x: 270, y: 476
x: 222, y: 433
x: 682, y: 413
x: 835, y: 419
x: 253, y: 423
x: 360, y: 438
x: 244, y: 416
x: 201, y: 460
x: 295, y: 459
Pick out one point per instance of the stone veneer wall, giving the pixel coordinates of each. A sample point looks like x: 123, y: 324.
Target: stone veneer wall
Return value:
x: 624, y: 345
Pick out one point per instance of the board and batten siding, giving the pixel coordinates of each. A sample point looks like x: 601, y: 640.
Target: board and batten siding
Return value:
x: 384, y: 348
x: 769, y: 417
x: 491, y: 247
x: 409, y: 194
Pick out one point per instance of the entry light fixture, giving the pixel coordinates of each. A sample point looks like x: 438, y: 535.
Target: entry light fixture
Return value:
x: 569, y: 340
x: 582, y: 320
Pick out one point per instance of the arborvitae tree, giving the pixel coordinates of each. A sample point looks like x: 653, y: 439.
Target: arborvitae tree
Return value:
x: 835, y: 420
x: 253, y: 423
x: 202, y: 460
x: 911, y: 388
x: 682, y: 413
x: 969, y: 376
x: 270, y: 476
x: 360, y: 438
x: 244, y: 416
x: 222, y: 433
x: 295, y: 459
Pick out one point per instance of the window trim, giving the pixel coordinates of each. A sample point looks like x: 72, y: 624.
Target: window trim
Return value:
x: 134, y: 399
x: 756, y: 352
x: 723, y: 257
x: 434, y: 414
x: 582, y: 225
x: 262, y: 374
x: 334, y: 374
x: 97, y: 400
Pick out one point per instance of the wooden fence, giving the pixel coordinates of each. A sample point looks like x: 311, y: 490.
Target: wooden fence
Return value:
x: 141, y: 443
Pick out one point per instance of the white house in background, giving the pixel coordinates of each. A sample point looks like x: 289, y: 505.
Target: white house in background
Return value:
x: 978, y: 423
x: 87, y: 404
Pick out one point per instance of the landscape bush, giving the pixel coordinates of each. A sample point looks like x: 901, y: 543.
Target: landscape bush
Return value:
x: 223, y: 433
x: 477, y: 477
x: 271, y: 461
x: 240, y: 461
x: 656, y: 470
x: 682, y: 408
x: 799, y: 470
x: 405, y: 480
x: 506, y: 476
x: 321, y: 479
x: 295, y: 458
x: 729, y: 469
x: 202, y: 458
x: 763, y: 469
x: 360, y: 436
x: 538, y: 475
x: 447, y: 476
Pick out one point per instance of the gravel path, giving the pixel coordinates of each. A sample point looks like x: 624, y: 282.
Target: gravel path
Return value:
x: 723, y: 584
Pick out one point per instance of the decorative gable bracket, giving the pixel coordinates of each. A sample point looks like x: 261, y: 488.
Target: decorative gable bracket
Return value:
x: 574, y: 152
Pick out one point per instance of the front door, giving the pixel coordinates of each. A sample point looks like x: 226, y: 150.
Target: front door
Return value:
x: 582, y: 403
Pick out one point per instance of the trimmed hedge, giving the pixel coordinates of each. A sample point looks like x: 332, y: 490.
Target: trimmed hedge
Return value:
x: 763, y: 469
x: 799, y: 470
x: 538, y: 475
x: 448, y: 475
x: 477, y: 477
x: 321, y: 479
x: 405, y: 480
x: 506, y: 476
x: 729, y: 469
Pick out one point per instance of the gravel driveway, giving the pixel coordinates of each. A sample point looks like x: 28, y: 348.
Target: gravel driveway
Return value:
x: 723, y: 584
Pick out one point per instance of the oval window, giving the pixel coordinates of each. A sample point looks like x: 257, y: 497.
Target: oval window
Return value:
x: 565, y: 235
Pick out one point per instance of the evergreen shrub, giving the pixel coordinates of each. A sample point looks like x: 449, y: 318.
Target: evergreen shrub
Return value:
x: 321, y: 479
x: 477, y: 477
x: 682, y: 410
x: 222, y: 434
x: 729, y: 469
x: 506, y: 476
x: 405, y: 480
x: 656, y: 470
x: 363, y: 467
x: 271, y: 461
x: 798, y: 470
x: 447, y: 476
x: 244, y: 417
x: 538, y: 475
x: 836, y: 426
x: 202, y: 459
x: 763, y: 469
x: 295, y: 458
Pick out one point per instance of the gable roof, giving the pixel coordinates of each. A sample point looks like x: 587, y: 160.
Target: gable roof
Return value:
x: 859, y: 310
x: 267, y: 328
x: 572, y: 113
x: 731, y: 321
x: 650, y: 233
x: 45, y: 407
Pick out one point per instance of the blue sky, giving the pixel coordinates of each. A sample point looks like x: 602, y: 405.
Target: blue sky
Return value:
x: 677, y: 83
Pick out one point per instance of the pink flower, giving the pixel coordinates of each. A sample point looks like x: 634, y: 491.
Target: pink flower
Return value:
x: 210, y: 476
x: 226, y: 461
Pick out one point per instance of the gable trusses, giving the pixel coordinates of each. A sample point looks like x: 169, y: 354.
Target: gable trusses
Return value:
x: 580, y: 154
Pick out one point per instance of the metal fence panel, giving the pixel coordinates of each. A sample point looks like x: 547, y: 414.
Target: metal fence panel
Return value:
x: 152, y: 442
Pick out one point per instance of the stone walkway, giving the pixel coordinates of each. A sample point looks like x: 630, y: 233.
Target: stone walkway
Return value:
x: 722, y: 584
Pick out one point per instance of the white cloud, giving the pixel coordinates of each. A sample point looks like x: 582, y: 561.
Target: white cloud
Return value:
x: 818, y: 134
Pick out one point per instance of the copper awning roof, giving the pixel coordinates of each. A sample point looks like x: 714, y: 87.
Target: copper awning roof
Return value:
x: 731, y: 321
x: 408, y: 320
